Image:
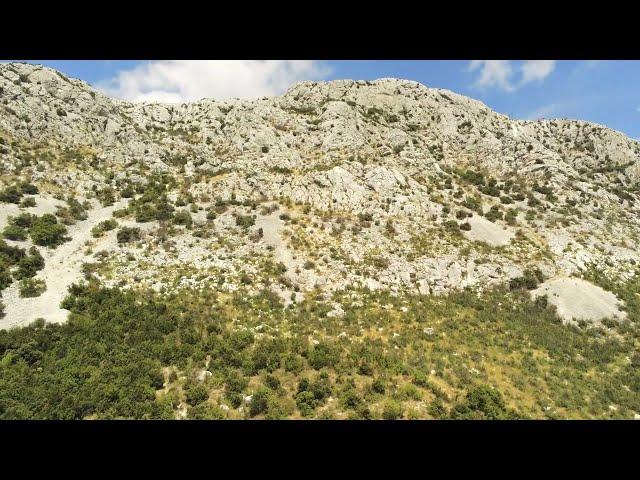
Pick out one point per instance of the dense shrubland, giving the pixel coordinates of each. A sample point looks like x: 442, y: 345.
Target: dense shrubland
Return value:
x: 138, y: 355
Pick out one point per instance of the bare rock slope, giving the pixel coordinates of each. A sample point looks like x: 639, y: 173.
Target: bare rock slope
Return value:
x: 384, y: 184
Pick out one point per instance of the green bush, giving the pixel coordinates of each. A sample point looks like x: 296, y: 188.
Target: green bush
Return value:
x: 23, y: 220
x: 272, y: 382
x: 378, y: 386
x: 14, y: 232
x: 28, y: 202
x: 235, y: 382
x: 128, y: 234
x: 31, y: 287
x: 10, y: 255
x: 437, y: 409
x: 104, y: 226
x: 293, y: 363
x: 511, y: 216
x: 481, y: 403
x: 245, y: 221
x: 145, y: 213
x: 30, y: 264
x: 46, y: 231
x: 5, y: 276
x: 494, y: 214
x: 392, y: 411
x: 10, y: 194
x: 127, y: 192
x: 77, y: 210
x: 28, y: 188
x: 323, y: 355
x: 183, y: 217
x: 164, y: 210
x: 107, y: 196
x: 451, y: 226
x: 196, y: 394
x: 349, y: 397
x: 306, y: 403
x: 259, y: 402
x: 528, y: 281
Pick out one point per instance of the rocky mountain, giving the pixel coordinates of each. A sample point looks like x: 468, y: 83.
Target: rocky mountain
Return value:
x: 385, y: 184
x: 349, y: 249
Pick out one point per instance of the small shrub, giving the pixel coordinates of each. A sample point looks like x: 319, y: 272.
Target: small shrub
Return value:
x: 104, y: 226
x: 183, y: 218
x: 245, y: 221
x: 196, y: 394
x: 392, y: 411
x: 259, y: 402
x: 10, y: 194
x: 128, y: 234
x: 30, y: 264
x: 494, y: 214
x: 46, y: 231
x: 28, y: 202
x: 481, y: 403
x: 14, y: 232
x: 31, y: 287
x: 528, y: 281
x: 323, y: 355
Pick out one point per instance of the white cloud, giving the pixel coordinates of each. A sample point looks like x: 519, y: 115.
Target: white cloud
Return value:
x: 500, y: 73
x: 536, y: 70
x: 191, y: 80
x: 493, y: 73
x: 638, y: 109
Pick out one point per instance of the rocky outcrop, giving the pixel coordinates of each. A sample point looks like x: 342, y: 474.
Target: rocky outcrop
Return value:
x: 390, y: 184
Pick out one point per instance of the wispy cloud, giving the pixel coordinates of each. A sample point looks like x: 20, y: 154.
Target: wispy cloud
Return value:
x: 536, y: 70
x: 502, y: 73
x: 544, y: 111
x: 493, y: 73
x: 186, y: 80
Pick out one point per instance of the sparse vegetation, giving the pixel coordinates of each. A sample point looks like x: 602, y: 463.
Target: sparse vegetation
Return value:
x: 31, y: 287
x: 104, y: 226
x: 128, y: 234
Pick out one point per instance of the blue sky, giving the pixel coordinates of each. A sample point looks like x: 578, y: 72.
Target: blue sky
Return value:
x: 605, y: 92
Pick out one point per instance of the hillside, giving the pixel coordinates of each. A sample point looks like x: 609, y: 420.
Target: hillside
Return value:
x: 342, y: 215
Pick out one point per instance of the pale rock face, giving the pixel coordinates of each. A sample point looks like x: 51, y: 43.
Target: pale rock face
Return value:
x: 363, y: 168
x: 577, y: 299
x: 482, y: 230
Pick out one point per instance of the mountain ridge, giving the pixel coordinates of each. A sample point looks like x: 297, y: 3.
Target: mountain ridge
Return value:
x: 450, y: 174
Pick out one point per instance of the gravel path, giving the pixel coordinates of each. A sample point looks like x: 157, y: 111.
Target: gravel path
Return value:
x: 62, y: 268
